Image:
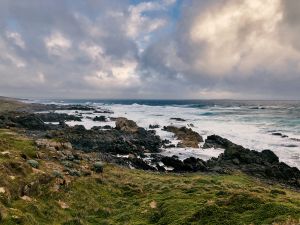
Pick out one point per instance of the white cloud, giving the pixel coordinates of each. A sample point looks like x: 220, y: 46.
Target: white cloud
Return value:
x: 93, y: 51
x: 120, y: 75
x: 56, y: 43
x: 138, y: 24
x: 239, y: 36
x: 16, y: 38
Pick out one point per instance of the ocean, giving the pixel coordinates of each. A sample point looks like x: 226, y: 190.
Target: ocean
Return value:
x: 257, y: 125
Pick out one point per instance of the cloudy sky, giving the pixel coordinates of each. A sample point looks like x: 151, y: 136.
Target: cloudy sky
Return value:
x: 243, y: 49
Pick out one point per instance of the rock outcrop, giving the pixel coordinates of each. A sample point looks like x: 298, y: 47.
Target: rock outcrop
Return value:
x: 124, y: 140
x: 126, y: 125
x: 188, y: 165
x: 57, y: 117
x: 188, y: 137
x: 263, y: 164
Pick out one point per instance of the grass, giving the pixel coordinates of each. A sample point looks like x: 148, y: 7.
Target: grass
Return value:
x: 124, y: 196
x: 10, y: 104
x: 16, y: 144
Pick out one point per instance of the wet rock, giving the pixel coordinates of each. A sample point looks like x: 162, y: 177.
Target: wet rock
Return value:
x: 103, y: 111
x: 100, y: 118
x: 215, y: 141
x: 188, y: 137
x: 291, y: 146
x: 106, y: 127
x: 269, y: 156
x: 76, y: 107
x: 188, y: 165
x: 280, y: 134
x: 177, y: 119
x: 140, y: 164
x: 263, y: 164
x: 154, y: 126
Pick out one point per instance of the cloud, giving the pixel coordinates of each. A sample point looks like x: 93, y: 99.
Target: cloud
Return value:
x: 150, y: 48
x: 242, y: 47
x: 56, y: 43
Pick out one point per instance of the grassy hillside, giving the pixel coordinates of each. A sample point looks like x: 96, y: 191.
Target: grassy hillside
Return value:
x: 124, y: 196
x: 10, y: 104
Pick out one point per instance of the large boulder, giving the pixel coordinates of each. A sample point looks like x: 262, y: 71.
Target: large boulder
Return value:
x: 188, y: 137
x: 100, y: 118
x: 126, y: 125
x: 215, y: 141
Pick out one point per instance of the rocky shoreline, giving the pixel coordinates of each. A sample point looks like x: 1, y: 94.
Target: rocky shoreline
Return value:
x: 128, y: 145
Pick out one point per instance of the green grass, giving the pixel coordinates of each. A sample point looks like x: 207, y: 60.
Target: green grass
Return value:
x: 124, y: 196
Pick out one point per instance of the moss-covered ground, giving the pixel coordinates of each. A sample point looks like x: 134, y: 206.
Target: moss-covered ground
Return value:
x: 124, y: 196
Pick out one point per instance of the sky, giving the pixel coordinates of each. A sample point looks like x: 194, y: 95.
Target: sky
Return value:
x: 159, y: 49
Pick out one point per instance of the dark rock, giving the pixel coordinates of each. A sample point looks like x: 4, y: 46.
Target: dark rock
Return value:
x: 215, y: 141
x: 280, y: 134
x: 188, y: 137
x: 174, y: 162
x: 140, y: 164
x: 269, y: 156
x: 154, y: 126
x: 290, y: 146
x: 263, y: 164
x: 160, y: 168
x: 103, y: 111
x: 113, y: 141
x: 195, y: 164
x: 188, y: 165
x: 57, y: 117
x: 76, y: 107
x: 177, y: 119
x: 100, y: 118
x: 107, y: 127
x: 30, y: 122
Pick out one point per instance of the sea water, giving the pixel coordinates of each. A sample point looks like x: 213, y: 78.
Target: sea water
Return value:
x: 253, y: 124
